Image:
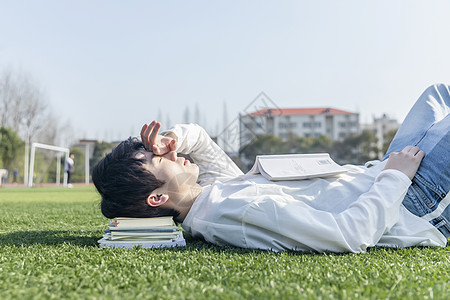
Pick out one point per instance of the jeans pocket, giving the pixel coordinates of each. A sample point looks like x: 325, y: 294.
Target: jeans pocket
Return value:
x: 413, y: 201
x: 442, y: 225
x: 430, y: 194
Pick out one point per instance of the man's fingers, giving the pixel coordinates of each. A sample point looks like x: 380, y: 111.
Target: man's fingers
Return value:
x: 154, y: 133
x: 415, y: 150
x: 145, y: 139
x: 154, y: 142
x: 156, y: 150
x: 411, y: 150
x: 406, y: 161
x: 420, y: 154
x: 407, y: 149
x: 144, y: 128
x: 172, y: 145
x: 145, y: 136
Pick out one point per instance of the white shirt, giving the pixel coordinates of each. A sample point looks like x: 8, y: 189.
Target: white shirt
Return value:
x: 349, y: 213
x: 68, y: 166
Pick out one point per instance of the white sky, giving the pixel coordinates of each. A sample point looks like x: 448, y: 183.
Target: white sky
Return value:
x: 110, y: 66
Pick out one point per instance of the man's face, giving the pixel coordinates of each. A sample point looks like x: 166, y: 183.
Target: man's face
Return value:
x: 178, y: 172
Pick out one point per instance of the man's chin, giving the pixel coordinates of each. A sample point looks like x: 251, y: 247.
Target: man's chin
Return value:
x: 197, y: 170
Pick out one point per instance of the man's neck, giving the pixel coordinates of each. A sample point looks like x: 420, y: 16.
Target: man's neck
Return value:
x: 185, y: 205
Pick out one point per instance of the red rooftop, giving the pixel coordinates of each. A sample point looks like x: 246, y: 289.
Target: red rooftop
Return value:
x: 299, y: 111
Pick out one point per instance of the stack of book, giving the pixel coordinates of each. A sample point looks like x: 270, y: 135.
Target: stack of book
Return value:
x: 143, y: 232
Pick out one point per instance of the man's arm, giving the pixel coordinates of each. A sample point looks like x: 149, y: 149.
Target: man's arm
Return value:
x: 406, y: 161
x: 364, y: 222
x: 193, y: 140
x: 213, y: 162
x: 159, y: 144
x: 376, y: 211
x: 359, y: 226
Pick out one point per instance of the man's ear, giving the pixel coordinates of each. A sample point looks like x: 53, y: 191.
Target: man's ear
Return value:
x: 157, y: 199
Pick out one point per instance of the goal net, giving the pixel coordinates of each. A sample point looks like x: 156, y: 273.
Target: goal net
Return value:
x: 60, y: 151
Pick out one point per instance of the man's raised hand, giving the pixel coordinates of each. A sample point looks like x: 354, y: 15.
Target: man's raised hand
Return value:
x: 155, y: 142
x: 406, y: 161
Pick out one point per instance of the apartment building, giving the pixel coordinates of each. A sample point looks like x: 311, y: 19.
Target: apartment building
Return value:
x: 303, y: 122
x: 380, y: 127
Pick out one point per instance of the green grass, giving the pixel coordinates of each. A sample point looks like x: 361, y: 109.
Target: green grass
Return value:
x: 48, y: 250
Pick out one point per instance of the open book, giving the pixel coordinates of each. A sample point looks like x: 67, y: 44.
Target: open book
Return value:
x: 295, y: 166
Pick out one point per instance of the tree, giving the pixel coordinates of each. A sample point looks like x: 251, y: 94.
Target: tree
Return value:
x: 356, y: 149
x: 6, y: 99
x: 186, y: 115
x: 260, y: 145
x: 388, y: 137
x: 10, y: 146
x: 100, y: 151
x: 24, y: 109
x: 197, y: 115
x: 320, y: 144
x: 22, y: 104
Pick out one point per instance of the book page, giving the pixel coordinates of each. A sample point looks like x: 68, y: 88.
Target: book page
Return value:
x: 298, y: 166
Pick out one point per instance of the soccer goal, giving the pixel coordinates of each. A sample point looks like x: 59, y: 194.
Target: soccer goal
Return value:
x: 60, y: 150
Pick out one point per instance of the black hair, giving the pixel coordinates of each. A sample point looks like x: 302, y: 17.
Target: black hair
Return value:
x: 124, y: 183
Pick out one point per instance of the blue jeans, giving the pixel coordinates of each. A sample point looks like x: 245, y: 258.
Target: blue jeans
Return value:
x: 427, y: 126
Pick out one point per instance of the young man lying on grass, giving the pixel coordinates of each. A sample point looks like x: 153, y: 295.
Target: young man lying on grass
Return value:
x: 399, y: 202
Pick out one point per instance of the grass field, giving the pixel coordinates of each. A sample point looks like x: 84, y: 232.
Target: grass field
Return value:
x: 48, y: 250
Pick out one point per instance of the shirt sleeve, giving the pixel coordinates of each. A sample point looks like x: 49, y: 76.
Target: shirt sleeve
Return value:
x: 355, y: 229
x: 375, y: 212
x: 213, y: 162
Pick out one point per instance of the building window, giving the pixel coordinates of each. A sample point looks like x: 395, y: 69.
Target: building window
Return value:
x: 287, y: 125
x: 312, y: 124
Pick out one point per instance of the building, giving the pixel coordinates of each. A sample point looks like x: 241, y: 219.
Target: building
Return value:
x: 380, y: 127
x: 303, y: 122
